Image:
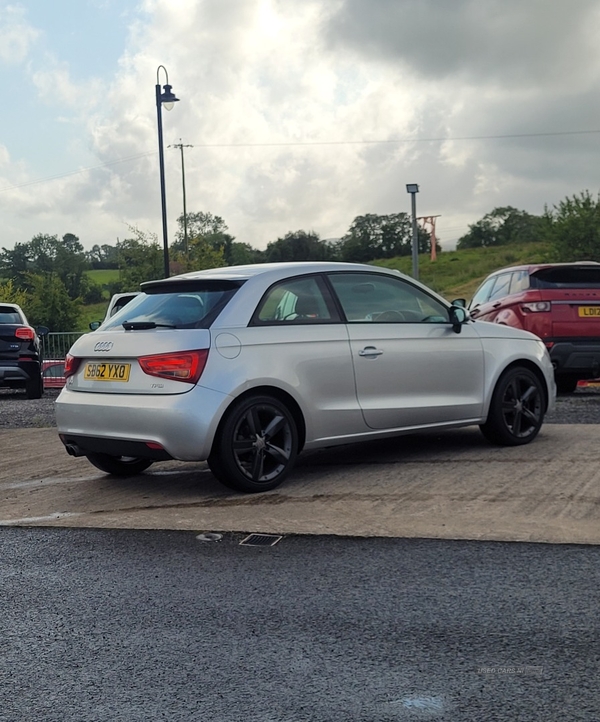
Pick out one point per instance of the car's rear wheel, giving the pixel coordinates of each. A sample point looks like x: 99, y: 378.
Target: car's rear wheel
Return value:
x: 517, y: 409
x: 256, y: 446
x: 119, y: 465
x: 34, y: 388
x: 566, y: 384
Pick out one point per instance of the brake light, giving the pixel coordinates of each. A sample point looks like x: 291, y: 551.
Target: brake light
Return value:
x: 181, y: 366
x: 71, y: 365
x: 25, y: 332
x: 537, y: 306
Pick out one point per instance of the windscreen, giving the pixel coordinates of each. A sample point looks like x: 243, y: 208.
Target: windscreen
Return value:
x: 176, y: 306
x: 9, y: 315
x: 567, y: 277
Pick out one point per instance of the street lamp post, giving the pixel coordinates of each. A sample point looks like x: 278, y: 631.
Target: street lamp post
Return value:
x: 166, y: 98
x: 413, y: 189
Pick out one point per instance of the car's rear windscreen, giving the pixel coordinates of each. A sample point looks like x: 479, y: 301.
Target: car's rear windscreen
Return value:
x: 190, y: 304
x: 567, y: 277
x: 9, y: 315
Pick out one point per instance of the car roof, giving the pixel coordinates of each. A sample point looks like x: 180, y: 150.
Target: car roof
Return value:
x: 11, y: 305
x: 533, y: 267
x: 276, y: 269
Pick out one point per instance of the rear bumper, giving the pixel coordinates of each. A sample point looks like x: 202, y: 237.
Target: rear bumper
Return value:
x: 183, y: 425
x: 18, y: 372
x: 77, y: 445
x: 579, y: 358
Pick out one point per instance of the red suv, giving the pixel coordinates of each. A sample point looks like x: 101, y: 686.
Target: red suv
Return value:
x: 559, y: 302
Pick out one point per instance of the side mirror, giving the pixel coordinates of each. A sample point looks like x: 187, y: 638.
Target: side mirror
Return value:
x: 461, y: 302
x: 458, y: 315
x: 95, y: 325
x: 42, y: 331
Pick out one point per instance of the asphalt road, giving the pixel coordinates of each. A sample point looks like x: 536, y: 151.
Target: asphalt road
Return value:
x: 111, y: 626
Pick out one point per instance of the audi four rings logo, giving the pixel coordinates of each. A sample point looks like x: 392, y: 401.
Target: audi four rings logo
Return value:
x: 103, y: 346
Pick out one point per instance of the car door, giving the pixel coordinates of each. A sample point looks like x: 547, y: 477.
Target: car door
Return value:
x: 411, y: 368
x: 489, y: 307
x: 297, y: 337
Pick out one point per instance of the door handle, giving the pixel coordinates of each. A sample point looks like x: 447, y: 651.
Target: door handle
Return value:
x: 370, y: 351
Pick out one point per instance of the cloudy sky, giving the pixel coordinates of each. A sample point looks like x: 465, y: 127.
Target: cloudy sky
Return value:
x: 301, y: 114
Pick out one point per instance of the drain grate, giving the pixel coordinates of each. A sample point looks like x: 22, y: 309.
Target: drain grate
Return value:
x: 260, y: 540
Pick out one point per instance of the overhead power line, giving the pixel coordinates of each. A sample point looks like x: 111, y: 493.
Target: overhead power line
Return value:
x: 393, y: 141
x: 290, y: 144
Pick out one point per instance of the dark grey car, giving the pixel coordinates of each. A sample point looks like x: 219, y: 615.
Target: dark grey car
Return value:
x: 20, y: 352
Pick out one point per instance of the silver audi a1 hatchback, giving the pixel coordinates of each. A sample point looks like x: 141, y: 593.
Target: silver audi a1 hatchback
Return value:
x: 247, y: 366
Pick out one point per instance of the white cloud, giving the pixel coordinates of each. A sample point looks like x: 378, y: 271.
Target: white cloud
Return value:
x: 260, y: 80
x: 16, y: 35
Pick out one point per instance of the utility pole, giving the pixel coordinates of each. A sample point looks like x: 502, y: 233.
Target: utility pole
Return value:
x: 430, y: 221
x: 181, y: 146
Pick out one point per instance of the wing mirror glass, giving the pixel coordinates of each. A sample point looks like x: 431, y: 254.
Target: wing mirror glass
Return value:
x: 458, y: 315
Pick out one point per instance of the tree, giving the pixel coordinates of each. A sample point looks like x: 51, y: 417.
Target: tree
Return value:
x: 373, y: 236
x: 10, y: 294
x: 299, y: 246
x: 200, y: 255
x: 45, y: 254
x: 206, y: 232
x: 242, y: 254
x: 140, y: 259
x: 501, y: 226
x: 574, y: 228
x: 49, y: 303
x: 104, y: 256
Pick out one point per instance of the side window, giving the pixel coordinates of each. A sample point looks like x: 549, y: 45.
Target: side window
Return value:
x: 368, y: 298
x: 501, y: 286
x: 295, y: 300
x: 519, y: 282
x: 482, y: 293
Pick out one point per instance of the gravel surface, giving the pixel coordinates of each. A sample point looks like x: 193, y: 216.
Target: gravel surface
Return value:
x: 17, y: 412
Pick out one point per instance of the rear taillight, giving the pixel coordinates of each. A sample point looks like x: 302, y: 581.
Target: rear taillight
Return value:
x: 537, y: 307
x: 181, y: 366
x: 71, y: 365
x: 25, y: 332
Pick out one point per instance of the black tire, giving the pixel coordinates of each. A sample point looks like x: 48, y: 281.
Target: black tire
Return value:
x: 256, y: 445
x: 34, y: 389
x: 119, y: 465
x: 517, y: 409
x: 566, y: 384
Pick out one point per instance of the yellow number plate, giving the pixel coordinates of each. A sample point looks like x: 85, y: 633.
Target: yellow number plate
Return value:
x: 106, y: 372
x: 589, y: 311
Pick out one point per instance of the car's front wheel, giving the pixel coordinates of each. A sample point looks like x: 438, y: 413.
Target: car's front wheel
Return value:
x: 517, y: 409
x: 119, y: 465
x: 256, y: 446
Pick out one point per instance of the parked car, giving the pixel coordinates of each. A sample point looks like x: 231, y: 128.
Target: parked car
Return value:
x: 247, y: 366
x: 20, y: 351
x: 116, y: 303
x: 53, y: 373
x: 558, y: 302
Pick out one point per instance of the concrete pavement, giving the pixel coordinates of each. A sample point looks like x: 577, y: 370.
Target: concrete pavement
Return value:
x: 448, y: 486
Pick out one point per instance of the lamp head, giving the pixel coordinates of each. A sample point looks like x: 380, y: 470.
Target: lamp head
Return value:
x: 168, y: 98
x: 412, y: 188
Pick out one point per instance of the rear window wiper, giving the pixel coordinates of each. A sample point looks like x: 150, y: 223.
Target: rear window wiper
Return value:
x: 143, y: 325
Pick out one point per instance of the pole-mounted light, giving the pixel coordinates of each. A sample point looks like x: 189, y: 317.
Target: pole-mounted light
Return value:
x: 167, y: 99
x: 413, y: 189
